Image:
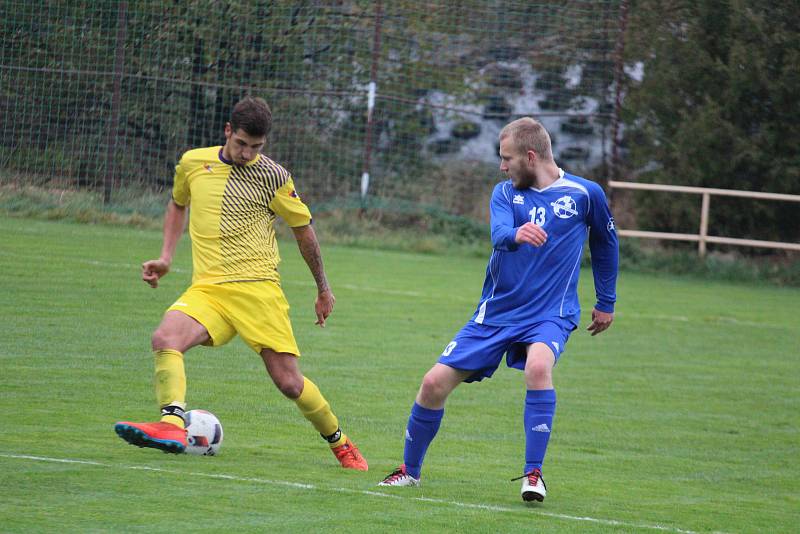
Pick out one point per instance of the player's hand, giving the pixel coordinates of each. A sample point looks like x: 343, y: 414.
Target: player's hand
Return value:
x: 600, y: 321
x: 153, y: 270
x: 532, y: 234
x: 324, y: 306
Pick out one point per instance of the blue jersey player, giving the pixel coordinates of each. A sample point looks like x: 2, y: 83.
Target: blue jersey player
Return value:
x: 540, y: 218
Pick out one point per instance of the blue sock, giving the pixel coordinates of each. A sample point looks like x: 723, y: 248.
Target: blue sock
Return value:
x: 422, y: 427
x: 540, y: 407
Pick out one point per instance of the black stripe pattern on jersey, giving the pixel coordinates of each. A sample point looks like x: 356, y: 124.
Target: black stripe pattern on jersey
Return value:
x: 247, y: 238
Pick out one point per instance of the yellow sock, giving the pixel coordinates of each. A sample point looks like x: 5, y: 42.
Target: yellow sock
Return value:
x: 316, y: 409
x: 170, y: 381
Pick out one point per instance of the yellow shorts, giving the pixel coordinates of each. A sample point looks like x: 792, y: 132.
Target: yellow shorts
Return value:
x: 257, y: 311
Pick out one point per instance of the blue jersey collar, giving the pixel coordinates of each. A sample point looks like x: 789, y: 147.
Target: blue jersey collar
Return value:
x: 560, y: 177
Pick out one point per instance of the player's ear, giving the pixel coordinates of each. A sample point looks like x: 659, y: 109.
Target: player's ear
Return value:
x: 228, y: 130
x: 531, y: 157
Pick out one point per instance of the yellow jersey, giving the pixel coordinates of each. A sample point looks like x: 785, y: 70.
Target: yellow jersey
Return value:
x: 232, y: 211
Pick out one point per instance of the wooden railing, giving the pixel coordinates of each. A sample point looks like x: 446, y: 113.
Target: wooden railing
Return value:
x: 702, y: 238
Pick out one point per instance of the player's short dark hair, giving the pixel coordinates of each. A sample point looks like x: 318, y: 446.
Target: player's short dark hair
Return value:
x: 252, y: 114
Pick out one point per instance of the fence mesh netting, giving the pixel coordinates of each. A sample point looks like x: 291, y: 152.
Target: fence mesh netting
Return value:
x: 107, y: 95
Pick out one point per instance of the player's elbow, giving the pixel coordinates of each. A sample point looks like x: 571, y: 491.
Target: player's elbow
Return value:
x: 174, y: 205
x: 504, y: 244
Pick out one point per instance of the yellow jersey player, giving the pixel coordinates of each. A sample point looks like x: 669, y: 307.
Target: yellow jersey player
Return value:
x: 235, y: 193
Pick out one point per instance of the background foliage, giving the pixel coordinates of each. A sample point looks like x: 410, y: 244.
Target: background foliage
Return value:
x: 708, y: 97
x: 182, y: 65
x: 717, y: 107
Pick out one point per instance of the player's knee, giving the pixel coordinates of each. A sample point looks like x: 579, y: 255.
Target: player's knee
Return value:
x: 284, y: 372
x: 159, y: 340
x: 433, y: 389
x: 538, y: 372
x: 163, y: 339
x: 290, y: 386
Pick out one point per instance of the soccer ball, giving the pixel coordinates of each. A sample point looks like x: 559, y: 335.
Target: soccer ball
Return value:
x: 203, y: 433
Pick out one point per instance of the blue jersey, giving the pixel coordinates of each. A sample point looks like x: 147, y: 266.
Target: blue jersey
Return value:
x: 526, y: 284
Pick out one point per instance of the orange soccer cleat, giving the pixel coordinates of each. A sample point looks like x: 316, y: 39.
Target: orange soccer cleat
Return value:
x: 163, y: 436
x: 349, y: 456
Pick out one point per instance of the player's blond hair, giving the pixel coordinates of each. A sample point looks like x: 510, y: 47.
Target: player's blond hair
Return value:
x: 529, y: 134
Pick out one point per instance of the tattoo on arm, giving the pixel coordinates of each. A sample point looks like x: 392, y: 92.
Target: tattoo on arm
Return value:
x: 309, y: 249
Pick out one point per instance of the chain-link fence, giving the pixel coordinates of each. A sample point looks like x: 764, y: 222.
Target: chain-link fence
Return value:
x: 373, y: 100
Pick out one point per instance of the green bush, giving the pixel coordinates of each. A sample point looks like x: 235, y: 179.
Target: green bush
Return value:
x: 395, y: 224
x: 780, y: 269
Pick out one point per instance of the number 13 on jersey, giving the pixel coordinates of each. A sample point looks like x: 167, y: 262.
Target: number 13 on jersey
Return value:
x: 537, y: 216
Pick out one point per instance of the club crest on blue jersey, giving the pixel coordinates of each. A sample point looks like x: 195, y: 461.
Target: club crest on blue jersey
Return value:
x: 564, y: 207
x: 518, y: 199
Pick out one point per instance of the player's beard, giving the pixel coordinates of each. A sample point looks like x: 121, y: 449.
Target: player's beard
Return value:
x: 523, y: 179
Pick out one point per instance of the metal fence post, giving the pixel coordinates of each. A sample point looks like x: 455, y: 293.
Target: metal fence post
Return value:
x: 113, y: 127
x: 619, y: 52
x: 373, y: 87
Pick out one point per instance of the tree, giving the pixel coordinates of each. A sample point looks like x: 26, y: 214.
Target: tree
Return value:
x: 717, y: 107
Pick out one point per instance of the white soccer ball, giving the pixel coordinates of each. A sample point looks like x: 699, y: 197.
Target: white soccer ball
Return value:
x: 203, y: 433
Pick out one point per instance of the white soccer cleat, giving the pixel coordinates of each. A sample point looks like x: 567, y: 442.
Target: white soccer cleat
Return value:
x: 399, y: 477
x: 533, y: 488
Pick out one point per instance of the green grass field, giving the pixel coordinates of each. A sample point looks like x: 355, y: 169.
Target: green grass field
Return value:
x: 683, y: 417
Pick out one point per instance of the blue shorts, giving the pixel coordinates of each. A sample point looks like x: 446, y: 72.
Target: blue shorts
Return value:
x: 480, y: 348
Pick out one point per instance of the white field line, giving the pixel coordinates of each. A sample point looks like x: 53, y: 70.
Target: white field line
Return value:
x: 428, y: 296
x: 370, y: 493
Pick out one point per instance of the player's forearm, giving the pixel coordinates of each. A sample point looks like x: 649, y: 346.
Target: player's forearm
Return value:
x: 174, y: 221
x: 309, y: 249
x: 503, y: 237
x: 605, y: 267
x: 502, y: 222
